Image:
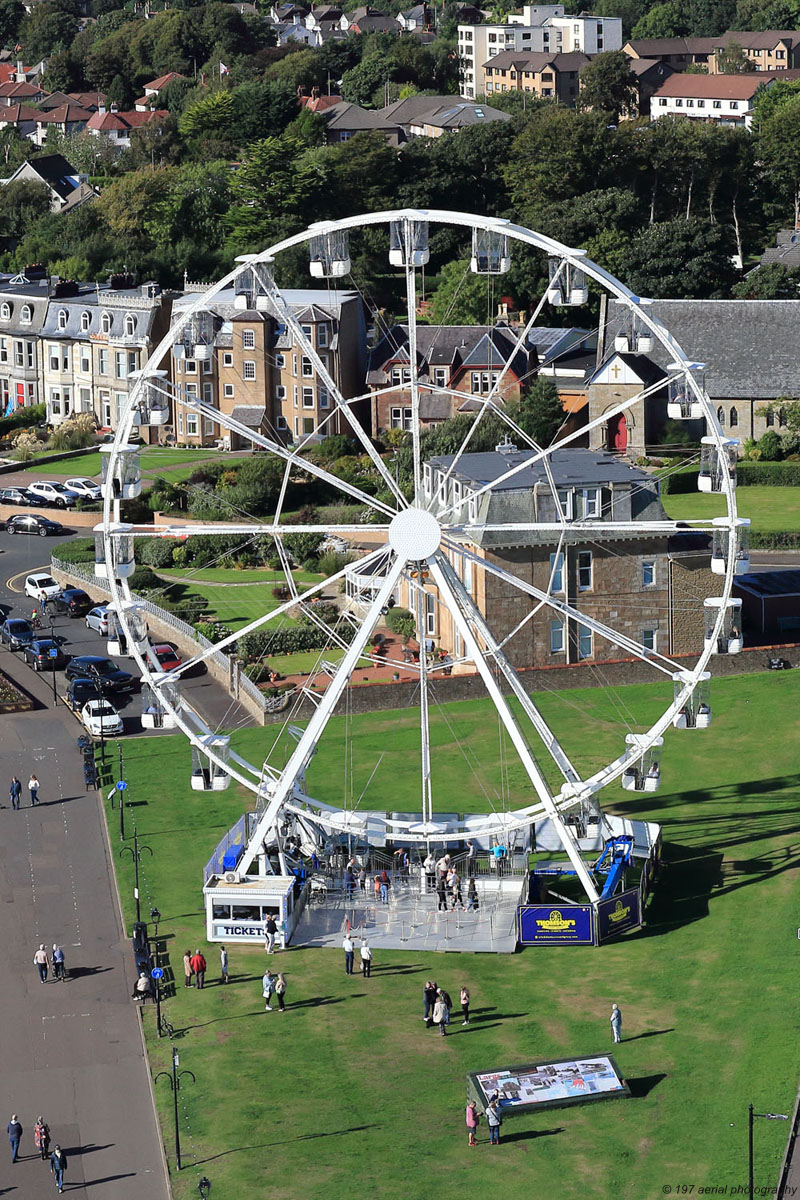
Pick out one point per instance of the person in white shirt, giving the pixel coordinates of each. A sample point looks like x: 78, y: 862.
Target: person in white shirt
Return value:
x: 347, y: 946
x: 366, y: 959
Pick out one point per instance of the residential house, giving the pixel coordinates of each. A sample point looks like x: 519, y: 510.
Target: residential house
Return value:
x: 747, y: 351
x: 152, y: 89
x: 323, y: 15
x: 66, y: 119
x: 647, y: 587
x: 21, y: 93
x: 345, y: 120
x: 281, y: 13
x: 67, y: 187
x: 767, y: 50
x: 21, y: 117
x: 453, y: 117
x: 316, y: 103
x: 92, y: 101
x: 421, y: 17
x: 23, y: 309
x: 786, y: 250
x: 548, y: 76
x: 649, y: 74
x: 297, y: 31
x: 723, y: 99
x: 457, y: 365
x: 118, y: 126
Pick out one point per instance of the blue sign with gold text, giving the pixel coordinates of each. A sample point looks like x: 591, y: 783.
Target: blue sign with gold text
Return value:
x: 618, y: 914
x: 546, y: 925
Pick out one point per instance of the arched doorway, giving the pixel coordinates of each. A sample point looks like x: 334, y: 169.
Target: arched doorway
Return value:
x: 618, y: 433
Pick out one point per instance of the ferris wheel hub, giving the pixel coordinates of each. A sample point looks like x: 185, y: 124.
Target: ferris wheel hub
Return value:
x: 414, y: 534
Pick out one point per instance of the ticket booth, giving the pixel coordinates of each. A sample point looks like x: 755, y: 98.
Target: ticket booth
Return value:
x: 239, y: 906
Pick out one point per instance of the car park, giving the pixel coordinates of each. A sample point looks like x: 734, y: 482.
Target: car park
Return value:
x: 97, y: 619
x: 55, y: 494
x: 72, y: 601
x: 41, y: 585
x: 85, y: 489
x: 16, y: 633
x: 101, y: 719
x: 20, y: 496
x: 81, y: 691
x: 167, y: 658
x: 30, y: 523
x: 38, y: 654
x: 104, y: 671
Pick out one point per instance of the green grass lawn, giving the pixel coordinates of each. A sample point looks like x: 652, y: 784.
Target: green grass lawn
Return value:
x: 348, y: 1094
x: 769, y: 508
x: 237, y: 606
x: 153, y: 459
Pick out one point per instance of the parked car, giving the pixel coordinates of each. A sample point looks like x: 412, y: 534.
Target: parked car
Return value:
x: 38, y: 654
x: 168, y: 660
x: 104, y: 671
x: 101, y: 718
x: 28, y: 523
x: 16, y: 633
x: 41, y: 585
x: 55, y: 494
x: 81, y: 691
x: 72, y: 601
x: 84, y: 488
x: 97, y: 619
x: 20, y: 496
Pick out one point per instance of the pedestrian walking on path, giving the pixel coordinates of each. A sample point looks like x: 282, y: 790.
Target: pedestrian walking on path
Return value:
x: 616, y: 1022
x: 280, y: 992
x: 440, y: 1014
x: 223, y: 963
x: 15, y: 791
x: 465, y: 1005
x: 42, y: 963
x: 349, y: 954
x: 187, y: 968
x: 267, y: 988
x: 58, y: 1165
x: 41, y: 1137
x: 59, y: 963
x: 14, y: 1136
x: 366, y: 959
x: 494, y: 1120
x: 198, y: 964
x: 472, y: 1122
x: 33, y: 788
x: 270, y: 929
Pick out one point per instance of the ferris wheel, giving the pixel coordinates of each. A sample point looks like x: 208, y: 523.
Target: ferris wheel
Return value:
x: 430, y: 538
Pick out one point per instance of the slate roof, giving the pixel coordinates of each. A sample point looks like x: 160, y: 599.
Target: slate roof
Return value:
x: 347, y: 116
x: 536, y: 61
x: 373, y: 24
x: 643, y: 365
x: 404, y: 112
x: 250, y: 415
x: 56, y: 172
x: 569, y: 467
x: 786, y: 251
x: 770, y: 583
x: 458, y: 346
x: 461, y: 114
x: 749, y: 346
x: 766, y: 39
x: 91, y: 301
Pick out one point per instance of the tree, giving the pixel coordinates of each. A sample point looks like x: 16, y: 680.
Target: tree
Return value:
x: 21, y: 204
x: 773, y: 281
x: 210, y: 116
x: 681, y: 259
x: 11, y: 14
x: 361, y: 83
x: 560, y: 153
x: 609, y: 85
x: 664, y: 20
x: 47, y: 30
x: 540, y: 413
x: 777, y: 144
x: 732, y: 60
x: 461, y: 297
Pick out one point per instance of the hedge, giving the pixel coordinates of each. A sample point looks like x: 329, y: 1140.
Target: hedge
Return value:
x: 779, y: 539
x: 22, y: 418
x: 79, y: 550
x: 255, y: 646
x: 678, y: 482
x: 768, y: 474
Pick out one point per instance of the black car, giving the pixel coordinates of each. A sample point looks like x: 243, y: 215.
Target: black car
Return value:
x: 16, y: 633
x: 16, y: 495
x: 72, y: 601
x: 81, y: 691
x: 25, y: 523
x: 39, y: 655
x: 103, y: 671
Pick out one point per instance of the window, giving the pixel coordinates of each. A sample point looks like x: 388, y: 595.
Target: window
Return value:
x: 190, y: 392
x: 86, y: 360
x: 307, y: 332
x: 5, y: 311
x: 734, y: 419
x: 19, y: 354
x: 588, y: 503
x: 3, y: 350
x: 208, y: 393
x: 249, y: 369
x: 191, y: 424
x: 281, y: 422
x: 208, y: 427
x: 679, y: 103
x: 557, y: 572
x: 280, y: 360
x: 248, y: 339
x: 426, y: 480
x: 102, y: 362
x: 105, y: 323
x: 86, y: 321
x: 308, y: 397
x: 54, y: 355
x: 440, y: 376
x: 781, y: 416
x: 430, y: 614
x: 322, y: 336
x: 690, y: 103
x: 770, y: 418
x: 130, y: 325
x: 227, y: 391
x: 734, y: 104
x: 308, y: 425
x: 26, y: 314
x: 324, y: 397
x: 482, y: 382
x: 716, y: 104
x: 401, y: 418
x: 190, y: 366
x: 227, y: 360
x: 401, y: 375
x: 584, y: 570
x: 648, y: 573
x: 721, y: 416
x: 648, y: 639
x: 780, y: 54
x: 662, y: 103
x: 180, y: 423
x: 556, y: 637
x: 701, y: 103
x: 295, y: 395
x: 120, y: 365
x: 308, y: 368
x: 86, y: 399
x: 280, y: 392
x: 468, y: 573
x: 294, y: 364
x: 296, y: 426
x: 62, y: 318
x: 585, y: 640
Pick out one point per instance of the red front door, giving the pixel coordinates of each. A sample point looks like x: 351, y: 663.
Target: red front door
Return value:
x: 618, y: 433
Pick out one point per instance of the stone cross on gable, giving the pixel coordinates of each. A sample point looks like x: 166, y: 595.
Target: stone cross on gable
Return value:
x: 616, y: 370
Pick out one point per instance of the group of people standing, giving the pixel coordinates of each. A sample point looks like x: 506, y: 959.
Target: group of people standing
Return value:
x: 442, y: 877
x: 15, y: 790
x: 41, y: 1139
x: 438, y: 1006
x: 43, y: 962
x: 365, y: 954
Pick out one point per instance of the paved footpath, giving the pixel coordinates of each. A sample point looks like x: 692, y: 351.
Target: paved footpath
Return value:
x: 70, y: 1051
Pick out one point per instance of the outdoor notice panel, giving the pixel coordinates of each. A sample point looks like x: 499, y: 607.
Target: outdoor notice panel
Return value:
x: 548, y: 1084
x: 545, y: 925
x: 619, y: 914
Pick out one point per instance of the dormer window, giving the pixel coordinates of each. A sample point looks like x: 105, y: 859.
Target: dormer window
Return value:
x: 5, y: 312
x: 105, y: 323
x: 130, y: 325
x: 62, y: 318
x: 26, y: 314
x: 86, y: 321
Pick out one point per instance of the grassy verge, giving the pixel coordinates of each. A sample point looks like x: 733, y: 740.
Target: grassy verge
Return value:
x: 153, y: 459
x: 349, y: 1092
x: 235, y: 606
x: 769, y: 508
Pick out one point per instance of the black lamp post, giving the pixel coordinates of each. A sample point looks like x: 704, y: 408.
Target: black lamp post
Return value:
x: 174, y: 1080
x: 135, y: 852
x: 155, y: 917
x: 204, y: 1186
x: 53, y: 640
x: 767, y: 1117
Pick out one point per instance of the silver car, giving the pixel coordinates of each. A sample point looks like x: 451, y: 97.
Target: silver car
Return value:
x: 97, y: 619
x: 87, y: 489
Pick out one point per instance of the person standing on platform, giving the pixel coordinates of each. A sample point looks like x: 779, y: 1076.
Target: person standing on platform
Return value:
x: 362, y: 879
x: 429, y: 867
x: 366, y: 959
x: 349, y: 954
x: 15, y: 791
x: 472, y: 1122
x: 198, y: 964
x: 42, y: 963
x: 441, y: 892
x: 223, y: 964
x: 58, y: 1165
x: 33, y: 788
x: 472, y: 896
x: 187, y: 969
x: 616, y: 1022
x: 14, y: 1136
x: 494, y: 1120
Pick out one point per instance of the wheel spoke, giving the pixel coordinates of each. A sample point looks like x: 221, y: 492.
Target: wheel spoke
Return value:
x: 413, y: 360
x: 255, y: 528
x: 424, y: 719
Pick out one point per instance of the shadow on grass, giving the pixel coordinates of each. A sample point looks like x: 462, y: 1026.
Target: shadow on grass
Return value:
x: 642, y: 1086
x: 650, y: 1033
x: 524, y: 1135
x: 389, y: 970
x: 303, y: 1137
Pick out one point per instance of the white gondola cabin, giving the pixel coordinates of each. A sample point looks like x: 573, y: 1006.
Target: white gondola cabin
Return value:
x: 155, y: 714
x: 695, y: 710
x: 207, y: 775
x: 711, y: 477
x: 329, y: 254
x: 720, y: 545
x: 152, y: 402
x: 251, y: 285
x: 568, y: 287
x: 408, y: 243
x: 489, y: 252
x: 682, y: 403
x: 121, y: 563
x: 634, y: 337
x: 198, y: 336
x: 124, y: 477
x: 118, y: 643
x: 728, y: 638
x: 643, y: 773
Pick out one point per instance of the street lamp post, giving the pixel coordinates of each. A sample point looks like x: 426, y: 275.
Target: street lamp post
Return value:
x: 766, y: 1117
x: 136, y: 853
x: 174, y: 1078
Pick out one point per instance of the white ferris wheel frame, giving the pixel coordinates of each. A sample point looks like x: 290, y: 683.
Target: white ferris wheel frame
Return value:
x: 277, y: 791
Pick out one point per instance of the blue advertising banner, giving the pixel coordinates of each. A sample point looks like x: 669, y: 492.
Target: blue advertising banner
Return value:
x: 618, y: 914
x: 543, y: 925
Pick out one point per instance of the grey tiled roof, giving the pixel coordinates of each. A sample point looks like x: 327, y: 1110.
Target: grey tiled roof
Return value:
x: 569, y: 467
x: 749, y: 346
x: 448, y: 345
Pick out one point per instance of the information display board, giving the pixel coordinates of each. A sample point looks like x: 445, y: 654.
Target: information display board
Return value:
x: 618, y: 914
x: 548, y: 1084
x: 544, y: 925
